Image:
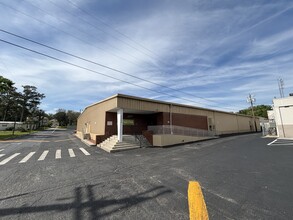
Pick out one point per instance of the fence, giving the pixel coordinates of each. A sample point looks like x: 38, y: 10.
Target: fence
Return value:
x: 269, y: 129
x: 179, y: 130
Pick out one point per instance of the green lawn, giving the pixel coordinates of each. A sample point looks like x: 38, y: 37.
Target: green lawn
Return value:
x: 8, y: 134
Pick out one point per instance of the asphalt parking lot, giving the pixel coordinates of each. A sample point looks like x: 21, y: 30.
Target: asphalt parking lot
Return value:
x: 242, y: 177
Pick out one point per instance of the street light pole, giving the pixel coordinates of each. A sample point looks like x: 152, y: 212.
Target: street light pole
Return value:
x: 251, y: 100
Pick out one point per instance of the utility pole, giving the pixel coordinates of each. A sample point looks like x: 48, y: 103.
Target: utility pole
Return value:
x: 251, y: 100
x: 281, y: 87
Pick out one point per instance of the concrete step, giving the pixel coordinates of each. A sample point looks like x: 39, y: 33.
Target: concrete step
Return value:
x: 122, y: 149
x: 110, y: 141
x: 112, y: 138
x: 106, y: 149
x: 125, y: 146
x: 108, y: 145
x: 124, y: 143
x: 111, y: 144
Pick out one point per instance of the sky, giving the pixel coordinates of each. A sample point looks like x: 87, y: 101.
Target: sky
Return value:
x: 205, y: 53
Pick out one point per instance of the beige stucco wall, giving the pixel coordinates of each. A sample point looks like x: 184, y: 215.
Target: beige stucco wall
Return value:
x: 169, y: 139
x: 226, y: 123
x: 285, y: 131
x: 92, y: 120
x: 221, y: 122
x: 283, y: 111
x: 141, y: 105
x: 229, y: 123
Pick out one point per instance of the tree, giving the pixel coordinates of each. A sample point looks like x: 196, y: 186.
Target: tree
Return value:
x: 10, y: 106
x: 72, y: 117
x: 5, y: 85
x: 40, y: 115
x: 50, y: 116
x: 31, y: 99
x: 61, y: 117
x: 259, y: 110
x: 18, y: 106
x: 9, y: 99
x: 66, y: 117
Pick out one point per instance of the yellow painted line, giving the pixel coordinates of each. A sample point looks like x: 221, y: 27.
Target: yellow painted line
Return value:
x: 196, y: 203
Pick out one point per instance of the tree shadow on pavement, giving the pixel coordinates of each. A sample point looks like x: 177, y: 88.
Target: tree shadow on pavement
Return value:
x: 88, y: 203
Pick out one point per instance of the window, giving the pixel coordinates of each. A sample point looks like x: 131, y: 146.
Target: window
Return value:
x: 128, y: 122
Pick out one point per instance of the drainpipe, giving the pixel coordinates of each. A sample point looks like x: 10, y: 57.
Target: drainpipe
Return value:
x: 214, y: 124
x: 282, y: 122
x: 237, y: 123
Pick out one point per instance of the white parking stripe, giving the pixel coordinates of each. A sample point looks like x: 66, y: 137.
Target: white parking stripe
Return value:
x: 44, y: 154
x: 1, y: 150
x: 272, y: 142
x: 1, y: 155
x: 27, y: 157
x: 58, y: 154
x: 71, y: 153
x: 9, y: 158
x: 84, y: 151
x: 283, y: 144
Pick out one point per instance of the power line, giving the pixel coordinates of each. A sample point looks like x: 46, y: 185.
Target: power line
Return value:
x: 114, y: 36
x: 103, y: 22
x: 177, y: 90
x: 65, y: 22
x: 93, y: 71
x: 71, y: 35
x: 104, y: 66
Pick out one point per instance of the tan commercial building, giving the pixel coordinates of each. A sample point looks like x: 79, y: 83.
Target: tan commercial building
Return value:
x: 283, y: 113
x: 161, y: 123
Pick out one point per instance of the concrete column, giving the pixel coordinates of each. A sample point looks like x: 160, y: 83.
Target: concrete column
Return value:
x: 120, y: 124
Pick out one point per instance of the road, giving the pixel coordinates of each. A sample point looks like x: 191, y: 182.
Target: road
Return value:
x: 52, y: 175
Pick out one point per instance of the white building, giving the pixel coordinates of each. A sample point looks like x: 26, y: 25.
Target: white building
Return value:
x: 4, y: 125
x: 283, y: 111
x: 271, y: 115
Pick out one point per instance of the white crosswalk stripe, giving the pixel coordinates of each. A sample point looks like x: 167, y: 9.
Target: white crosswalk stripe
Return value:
x: 71, y: 153
x: 43, y: 156
x: 9, y: 158
x: 58, y: 154
x: 1, y: 150
x: 27, y: 157
x: 84, y: 151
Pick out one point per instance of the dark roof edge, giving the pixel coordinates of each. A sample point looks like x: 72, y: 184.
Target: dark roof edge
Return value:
x: 177, y: 104
x: 161, y: 102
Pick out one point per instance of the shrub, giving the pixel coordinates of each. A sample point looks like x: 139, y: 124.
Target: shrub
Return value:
x: 21, y: 129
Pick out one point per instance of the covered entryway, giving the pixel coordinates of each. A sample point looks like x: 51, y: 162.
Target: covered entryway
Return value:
x: 128, y: 122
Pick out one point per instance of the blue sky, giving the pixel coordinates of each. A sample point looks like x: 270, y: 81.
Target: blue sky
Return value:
x: 211, y: 53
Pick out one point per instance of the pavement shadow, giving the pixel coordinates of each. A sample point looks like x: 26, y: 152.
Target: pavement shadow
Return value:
x: 85, y: 201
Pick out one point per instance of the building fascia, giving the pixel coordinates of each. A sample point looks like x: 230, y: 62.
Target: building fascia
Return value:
x: 98, y: 103
x: 119, y: 95
x: 176, y: 104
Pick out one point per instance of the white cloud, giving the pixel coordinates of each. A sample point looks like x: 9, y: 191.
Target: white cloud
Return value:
x: 219, y: 52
